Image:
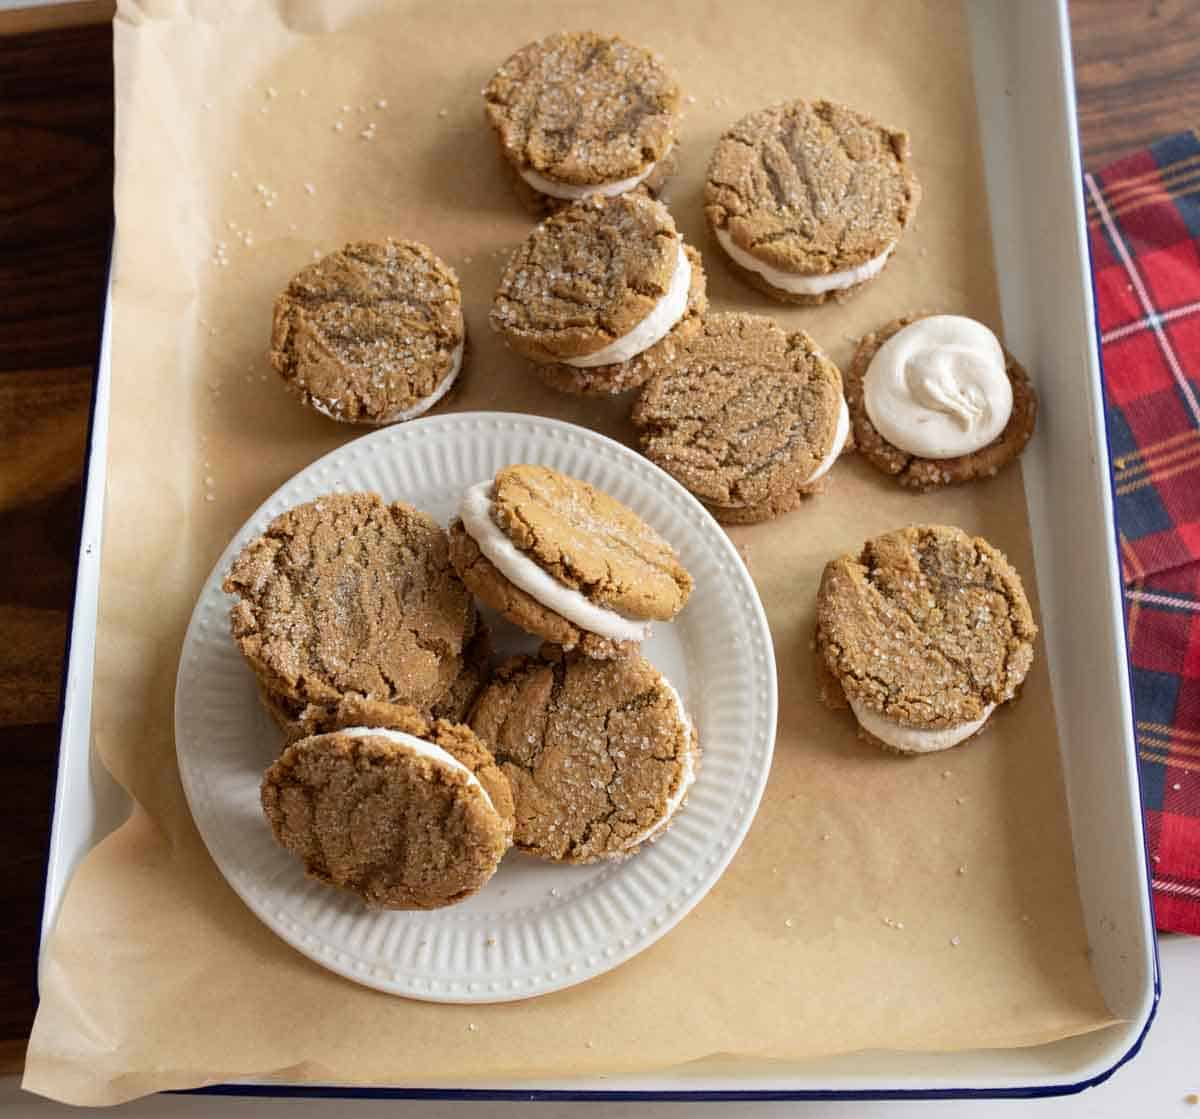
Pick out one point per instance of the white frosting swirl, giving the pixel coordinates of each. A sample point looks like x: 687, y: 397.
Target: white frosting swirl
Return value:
x: 521, y: 571
x: 572, y: 191
x: 815, y: 283
x: 653, y: 328
x: 938, y: 388
x: 915, y: 740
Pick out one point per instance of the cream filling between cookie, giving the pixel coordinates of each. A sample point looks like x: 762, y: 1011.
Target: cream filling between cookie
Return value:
x: 685, y: 779
x: 839, y: 441
x: 426, y: 749
x: 653, y: 328
x: 522, y: 572
x: 812, y: 284
x: 573, y: 191
x: 915, y: 740
x: 938, y: 388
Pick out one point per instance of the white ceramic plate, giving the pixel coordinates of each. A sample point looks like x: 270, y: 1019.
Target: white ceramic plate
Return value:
x: 535, y: 927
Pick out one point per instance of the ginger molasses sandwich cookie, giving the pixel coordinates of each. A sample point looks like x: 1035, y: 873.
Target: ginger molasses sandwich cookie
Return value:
x: 601, y: 295
x: 565, y: 561
x: 748, y: 417
x: 372, y: 333
x: 350, y: 595
x: 578, y: 114
x: 600, y: 754
x: 412, y: 816
x: 809, y: 199
x: 924, y: 633
x: 936, y: 399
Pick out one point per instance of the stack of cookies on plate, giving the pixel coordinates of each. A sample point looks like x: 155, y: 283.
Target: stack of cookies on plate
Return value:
x: 409, y: 767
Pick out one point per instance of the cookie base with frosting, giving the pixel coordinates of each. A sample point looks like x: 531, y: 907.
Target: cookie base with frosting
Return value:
x: 925, y: 473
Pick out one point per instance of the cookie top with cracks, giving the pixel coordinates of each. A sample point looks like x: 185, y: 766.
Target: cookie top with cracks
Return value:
x: 586, y: 277
x: 590, y: 542
x: 594, y: 751
x: 349, y: 594
x: 744, y: 414
x: 581, y: 108
x: 811, y: 187
x: 927, y: 626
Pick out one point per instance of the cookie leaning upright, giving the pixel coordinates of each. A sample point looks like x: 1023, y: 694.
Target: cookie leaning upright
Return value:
x: 923, y: 633
x: 578, y: 113
x: 808, y: 199
x: 748, y: 417
x: 601, y: 295
x: 372, y: 333
x: 565, y: 561
x: 348, y: 595
x: 600, y: 754
x: 936, y: 399
x: 415, y: 815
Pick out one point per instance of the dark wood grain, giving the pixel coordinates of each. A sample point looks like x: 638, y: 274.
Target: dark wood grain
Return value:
x: 55, y: 229
x: 1137, y: 73
x: 1137, y: 63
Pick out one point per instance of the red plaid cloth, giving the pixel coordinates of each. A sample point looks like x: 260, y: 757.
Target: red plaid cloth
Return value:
x: 1144, y: 227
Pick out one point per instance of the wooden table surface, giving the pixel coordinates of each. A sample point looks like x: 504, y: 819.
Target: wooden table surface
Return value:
x: 1137, y: 64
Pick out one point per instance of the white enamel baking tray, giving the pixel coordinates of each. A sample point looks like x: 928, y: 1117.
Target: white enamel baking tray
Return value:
x: 1025, y: 93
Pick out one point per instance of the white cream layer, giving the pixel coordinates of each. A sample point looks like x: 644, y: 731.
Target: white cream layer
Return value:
x: 685, y: 779
x: 572, y: 191
x: 839, y: 441
x: 915, y: 740
x: 938, y: 388
x: 426, y: 749
x: 653, y: 328
x: 813, y: 284
x: 521, y: 571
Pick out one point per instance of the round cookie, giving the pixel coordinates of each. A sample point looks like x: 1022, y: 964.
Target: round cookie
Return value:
x: 600, y: 754
x: 372, y: 333
x: 565, y: 561
x: 748, y: 417
x: 924, y: 633
x: 925, y: 473
x: 600, y: 296
x: 809, y: 198
x: 347, y: 594
x: 413, y: 816
x: 578, y: 113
